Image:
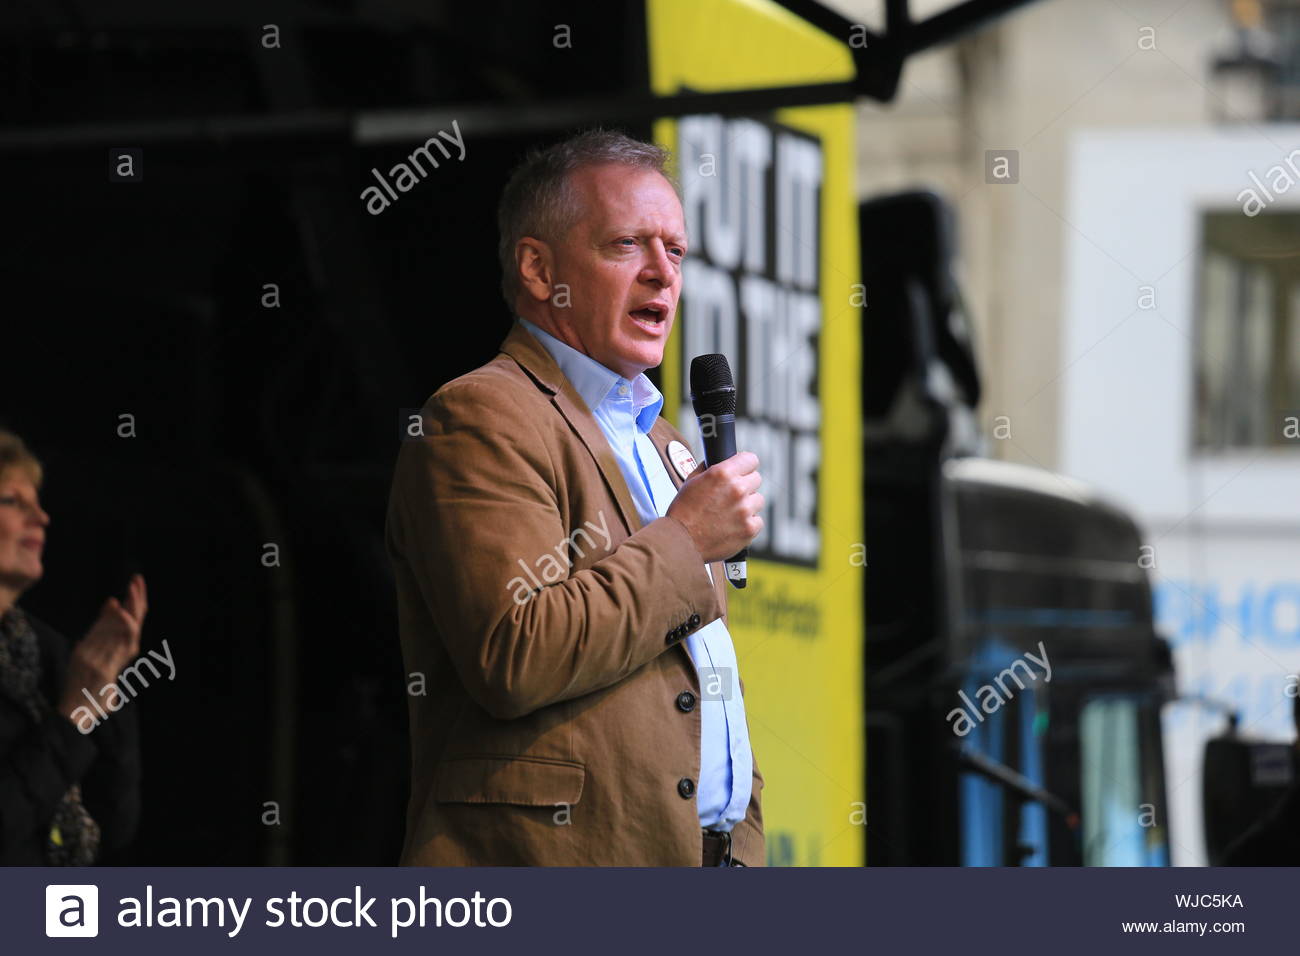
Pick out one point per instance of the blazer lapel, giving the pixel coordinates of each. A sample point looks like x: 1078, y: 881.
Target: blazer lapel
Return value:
x: 661, y: 436
x: 580, y: 419
x: 537, y: 362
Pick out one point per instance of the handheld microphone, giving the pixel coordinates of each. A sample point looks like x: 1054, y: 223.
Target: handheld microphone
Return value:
x: 713, y: 393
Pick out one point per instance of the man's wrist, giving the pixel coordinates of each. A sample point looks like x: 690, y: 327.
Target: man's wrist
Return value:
x: 681, y: 524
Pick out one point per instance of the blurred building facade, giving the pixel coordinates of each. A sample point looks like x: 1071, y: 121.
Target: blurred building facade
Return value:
x: 1132, y: 271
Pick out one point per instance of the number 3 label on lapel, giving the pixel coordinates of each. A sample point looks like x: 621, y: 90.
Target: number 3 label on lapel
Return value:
x: 682, y: 459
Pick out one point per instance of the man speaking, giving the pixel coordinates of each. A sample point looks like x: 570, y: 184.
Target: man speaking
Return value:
x: 559, y: 567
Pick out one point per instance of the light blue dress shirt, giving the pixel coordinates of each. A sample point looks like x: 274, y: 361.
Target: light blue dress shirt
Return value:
x: 625, y: 412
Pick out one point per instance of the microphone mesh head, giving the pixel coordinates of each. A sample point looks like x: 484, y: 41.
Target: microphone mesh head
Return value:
x: 712, y: 390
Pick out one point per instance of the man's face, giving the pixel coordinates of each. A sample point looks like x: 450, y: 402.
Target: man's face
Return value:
x: 622, y: 265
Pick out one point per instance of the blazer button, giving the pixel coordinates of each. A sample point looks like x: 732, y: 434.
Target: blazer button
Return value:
x: 676, y: 634
x: 694, y: 621
x: 686, y: 787
x: 686, y: 701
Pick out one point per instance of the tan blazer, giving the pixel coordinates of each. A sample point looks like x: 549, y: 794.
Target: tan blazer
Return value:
x: 553, y: 705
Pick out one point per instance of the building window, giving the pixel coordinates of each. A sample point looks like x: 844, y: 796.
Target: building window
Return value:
x: 1247, y: 379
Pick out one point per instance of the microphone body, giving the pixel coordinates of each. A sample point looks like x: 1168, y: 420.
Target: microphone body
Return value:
x: 713, y: 393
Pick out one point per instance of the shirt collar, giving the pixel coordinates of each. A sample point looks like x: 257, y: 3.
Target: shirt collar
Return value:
x: 598, y: 384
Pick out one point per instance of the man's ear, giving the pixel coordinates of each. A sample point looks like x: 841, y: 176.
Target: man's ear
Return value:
x: 535, y: 266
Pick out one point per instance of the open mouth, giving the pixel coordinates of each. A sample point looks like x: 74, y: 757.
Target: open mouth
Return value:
x: 650, y: 317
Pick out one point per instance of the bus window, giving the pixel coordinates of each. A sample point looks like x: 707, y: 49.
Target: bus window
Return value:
x: 1118, y: 812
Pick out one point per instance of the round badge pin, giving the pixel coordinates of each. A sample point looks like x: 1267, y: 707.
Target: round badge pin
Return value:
x: 682, y: 459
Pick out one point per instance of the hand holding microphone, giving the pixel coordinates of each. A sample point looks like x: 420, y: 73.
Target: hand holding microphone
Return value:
x: 720, y: 505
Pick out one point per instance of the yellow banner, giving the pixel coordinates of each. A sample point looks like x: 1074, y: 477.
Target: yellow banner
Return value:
x: 772, y: 281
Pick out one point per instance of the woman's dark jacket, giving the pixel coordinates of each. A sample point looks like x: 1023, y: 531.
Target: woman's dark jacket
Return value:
x: 40, y: 761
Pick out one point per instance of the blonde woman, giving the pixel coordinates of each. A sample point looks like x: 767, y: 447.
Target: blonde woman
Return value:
x: 69, y: 786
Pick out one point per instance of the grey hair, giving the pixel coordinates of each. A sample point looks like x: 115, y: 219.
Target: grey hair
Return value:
x: 539, y: 200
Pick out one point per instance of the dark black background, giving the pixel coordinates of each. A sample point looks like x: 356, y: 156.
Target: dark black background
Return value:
x: 255, y: 425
